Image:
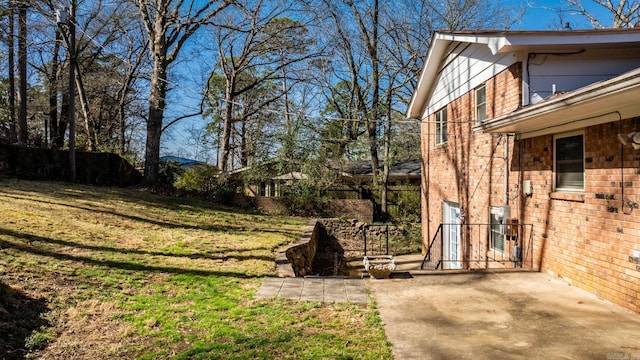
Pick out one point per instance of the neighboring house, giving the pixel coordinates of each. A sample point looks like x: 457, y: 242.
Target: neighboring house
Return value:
x: 277, y: 184
x: 272, y: 186
x: 403, y: 191
x: 524, y: 160
x: 354, y: 175
x: 401, y: 173
x: 184, y: 163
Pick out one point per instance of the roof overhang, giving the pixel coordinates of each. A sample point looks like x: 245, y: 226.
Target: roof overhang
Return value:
x: 614, y: 99
x: 504, y: 42
x: 292, y: 176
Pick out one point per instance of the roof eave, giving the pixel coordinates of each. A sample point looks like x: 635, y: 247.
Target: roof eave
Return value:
x: 597, y: 103
x: 503, y: 42
x: 427, y: 78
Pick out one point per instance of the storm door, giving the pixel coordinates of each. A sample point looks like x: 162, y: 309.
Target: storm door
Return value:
x: 451, y: 236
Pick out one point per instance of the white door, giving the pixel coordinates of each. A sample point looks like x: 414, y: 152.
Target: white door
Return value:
x: 451, y: 236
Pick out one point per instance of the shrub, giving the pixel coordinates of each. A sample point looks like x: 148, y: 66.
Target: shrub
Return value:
x: 168, y: 174
x: 201, y: 181
x: 222, y: 192
x: 304, y: 199
x: 200, y: 178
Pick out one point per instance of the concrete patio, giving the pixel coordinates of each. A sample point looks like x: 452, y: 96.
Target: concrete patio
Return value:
x: 501, y: 315
x: 479, y: 315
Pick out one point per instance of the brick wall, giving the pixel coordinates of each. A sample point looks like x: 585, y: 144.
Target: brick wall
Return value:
x: 586, y: 238
x: 347, y: 208
x: 468, y: 169
x: 361, y: 210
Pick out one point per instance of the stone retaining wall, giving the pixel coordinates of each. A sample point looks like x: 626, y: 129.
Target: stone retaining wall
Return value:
x: 350, y: 234
x: 325, y: 245
x: 297, y: 259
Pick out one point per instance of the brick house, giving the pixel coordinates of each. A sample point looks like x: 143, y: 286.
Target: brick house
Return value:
x: 530, y: 156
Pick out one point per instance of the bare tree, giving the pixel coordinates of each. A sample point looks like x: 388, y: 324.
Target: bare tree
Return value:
x: 624, y: 14
x: 256, y: 45
x: 379, y: 48
x: 473, y: 14
x: 169, y: 24
x: 357, y: 48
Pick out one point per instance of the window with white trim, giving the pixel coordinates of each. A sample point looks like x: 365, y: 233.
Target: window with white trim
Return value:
x: 568, y: 161
x: 481, y: 103
x: 497, y: 229
x: 441, y: 126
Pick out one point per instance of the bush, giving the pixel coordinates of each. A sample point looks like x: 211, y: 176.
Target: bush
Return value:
x: 411, y: 242
x: 408, y: 204
x: 201, y: 182
x: 304, y: 199
x: 168, y: 173
x: 222, y: 192
x: 200, y: 178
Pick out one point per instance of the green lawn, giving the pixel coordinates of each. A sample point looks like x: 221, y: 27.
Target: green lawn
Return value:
x: 89, y: 272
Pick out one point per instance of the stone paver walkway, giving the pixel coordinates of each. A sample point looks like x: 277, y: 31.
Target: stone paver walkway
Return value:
x: 315, y: 289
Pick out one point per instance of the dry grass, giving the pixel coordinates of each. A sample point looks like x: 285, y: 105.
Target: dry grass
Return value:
x: 90, y: 272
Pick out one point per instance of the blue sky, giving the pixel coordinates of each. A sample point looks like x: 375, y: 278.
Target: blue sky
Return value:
x: 539, y: 15
x: 185, y: 97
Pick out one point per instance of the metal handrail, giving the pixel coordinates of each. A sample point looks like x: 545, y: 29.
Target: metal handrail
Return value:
x: 365, y: 228
x: 518, y: 236
x: 427, y: 256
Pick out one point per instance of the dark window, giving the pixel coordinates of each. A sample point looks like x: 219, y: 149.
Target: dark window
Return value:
x: 272, y: 189
x: 569, y: 162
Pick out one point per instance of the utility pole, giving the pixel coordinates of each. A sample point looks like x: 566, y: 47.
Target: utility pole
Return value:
x: 68, y: 17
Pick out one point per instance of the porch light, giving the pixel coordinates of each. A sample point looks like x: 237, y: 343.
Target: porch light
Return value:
x: 633, y: 137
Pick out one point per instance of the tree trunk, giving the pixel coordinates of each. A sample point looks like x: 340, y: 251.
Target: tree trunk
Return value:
x: 56, y: 141
x: 22, y: 73
x: 13, y: 135
x: 72, y: 94
x: 289, y: 136
x: 84, y: 103
x: 227, y: 127
x: 63, y: 123
x: 122, y: 124
x: 157, y: 104
x: 244, y: 151
x: 384, y: 202
x: 372, y: 125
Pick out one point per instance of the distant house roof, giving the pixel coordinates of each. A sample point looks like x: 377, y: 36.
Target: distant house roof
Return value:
x: 180, y: 160
x: 292, y: 176
x: 363, y: 167
x: 411, y: 167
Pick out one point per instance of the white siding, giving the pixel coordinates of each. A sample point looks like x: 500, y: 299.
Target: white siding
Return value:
x: 572, y: 71
x: 465, y: 67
